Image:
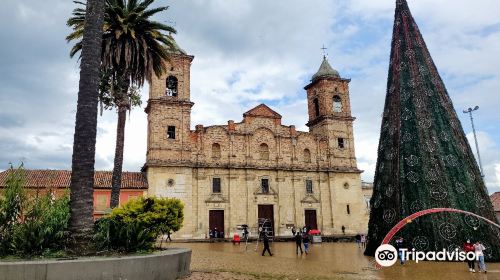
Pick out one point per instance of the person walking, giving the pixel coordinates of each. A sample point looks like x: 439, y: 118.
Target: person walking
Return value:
x: 478, y: 249
x: 363, y: 241
x: 469, y: 247
x: 168, y: 236
x: 266, y: 246
x: 358, y: 240
x: 305, y: 240
x: 400, y: 246
x: 298, y: 243
x: 245, y: 234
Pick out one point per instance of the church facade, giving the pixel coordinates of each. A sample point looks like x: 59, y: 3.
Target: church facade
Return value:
x: 233, y: 174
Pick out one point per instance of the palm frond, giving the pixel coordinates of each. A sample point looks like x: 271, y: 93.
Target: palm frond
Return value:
x: 149, y: 13
x: 131, y: 4
x: 132, y: 42
x: 77, y: 34
x: 75, y: 49
x: 146, y: 3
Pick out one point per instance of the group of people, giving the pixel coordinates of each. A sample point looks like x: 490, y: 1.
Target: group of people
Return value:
x: 360, y: 240
x: 215, y: 233
x: 468, y: 246
x: 478, y: 249
x: 300, y: 236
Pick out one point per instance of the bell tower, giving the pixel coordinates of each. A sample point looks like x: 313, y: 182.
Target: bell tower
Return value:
x: 169, y: 111
x: 330, y: 114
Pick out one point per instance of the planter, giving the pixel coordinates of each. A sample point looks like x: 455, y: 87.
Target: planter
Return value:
x: 164, y: 265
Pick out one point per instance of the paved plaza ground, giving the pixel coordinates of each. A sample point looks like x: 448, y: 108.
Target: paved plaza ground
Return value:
x: 325, y: 261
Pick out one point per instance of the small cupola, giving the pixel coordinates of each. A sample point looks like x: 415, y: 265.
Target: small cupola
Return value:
x: 325, y: 71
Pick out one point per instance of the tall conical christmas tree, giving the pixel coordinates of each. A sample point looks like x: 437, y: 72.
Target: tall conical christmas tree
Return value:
x: 424, y: 159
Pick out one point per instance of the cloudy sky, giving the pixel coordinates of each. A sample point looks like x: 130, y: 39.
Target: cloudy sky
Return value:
x: 247, y: 53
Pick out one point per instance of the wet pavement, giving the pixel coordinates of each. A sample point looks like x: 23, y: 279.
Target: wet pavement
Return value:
x: 325, y: 261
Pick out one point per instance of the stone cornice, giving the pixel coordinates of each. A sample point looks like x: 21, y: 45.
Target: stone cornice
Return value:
x: 190, y: 164
x: 330, y: 117
x: 326, y: 78
x: 168, y: 101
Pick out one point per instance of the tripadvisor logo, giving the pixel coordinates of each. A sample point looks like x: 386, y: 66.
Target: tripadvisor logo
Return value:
x: 386, y: 255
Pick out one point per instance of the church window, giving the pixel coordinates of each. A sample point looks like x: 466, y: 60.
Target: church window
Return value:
x: 348, y: 210
x: 171, y: 132
x: 171, y: 86
x: 337, y: 104
x: 216, y: 150
x: 309, y: 186
x: 216, y: 185
x: 264, y: 185
x: 316, y: 106
x: 307, y: 155
x: 341, y: 143
x: 264, y: 151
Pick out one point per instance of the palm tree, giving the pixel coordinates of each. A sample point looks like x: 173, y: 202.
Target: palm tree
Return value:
x: 134, y: 48
x: 82, y: 175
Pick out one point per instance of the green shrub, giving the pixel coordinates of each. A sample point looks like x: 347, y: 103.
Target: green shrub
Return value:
x: 11, y: 205
x: 31, y: 225
x: 44, y: 228
x: 136, y: 225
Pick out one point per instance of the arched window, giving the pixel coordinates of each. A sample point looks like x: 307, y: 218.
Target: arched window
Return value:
x: 171, y: 86
x: 316, y: 106
x: 337, y: 104
x: 264, y: 151
x: 215, y: 150
x: 307, y: 155
x: 341, y: 143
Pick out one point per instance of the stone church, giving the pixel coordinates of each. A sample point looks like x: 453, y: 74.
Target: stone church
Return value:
x: 235, y: 173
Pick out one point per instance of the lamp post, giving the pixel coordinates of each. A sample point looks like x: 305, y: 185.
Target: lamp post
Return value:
x: 469, y: 111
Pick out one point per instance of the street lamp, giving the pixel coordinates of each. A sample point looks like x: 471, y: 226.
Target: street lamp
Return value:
x: 469, y: 111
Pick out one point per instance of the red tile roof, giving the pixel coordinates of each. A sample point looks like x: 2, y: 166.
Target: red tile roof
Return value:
x: 495, y: 200
x: 262, y: 110
x: 62, y: 178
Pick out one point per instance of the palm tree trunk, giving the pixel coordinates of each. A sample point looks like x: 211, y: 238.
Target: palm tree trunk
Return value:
x: 123, y: 105
x: 82, y: 176
x: 117, y: 168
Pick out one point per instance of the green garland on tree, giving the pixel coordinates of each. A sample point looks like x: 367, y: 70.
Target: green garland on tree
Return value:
x: 424, y: 159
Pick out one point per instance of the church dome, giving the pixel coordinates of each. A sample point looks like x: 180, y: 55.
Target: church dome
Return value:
x: 325, y: 71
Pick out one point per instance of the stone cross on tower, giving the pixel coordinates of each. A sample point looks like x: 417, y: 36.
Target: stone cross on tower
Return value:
x: 324, y: 50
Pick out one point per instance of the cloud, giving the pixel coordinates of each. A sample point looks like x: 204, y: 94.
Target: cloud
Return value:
x: 247, y: 53
x: 496, y: 184
x: 490, y: 158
